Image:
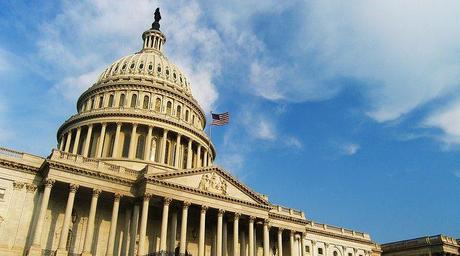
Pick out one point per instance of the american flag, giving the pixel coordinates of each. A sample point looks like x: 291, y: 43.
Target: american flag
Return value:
x: 220, y: 119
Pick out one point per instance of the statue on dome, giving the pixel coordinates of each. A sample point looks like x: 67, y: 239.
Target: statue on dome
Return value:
x: 157, y: 15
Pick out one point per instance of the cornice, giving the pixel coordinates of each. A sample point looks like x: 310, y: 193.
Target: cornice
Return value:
x: 89, y: 173
x: 19, y: 166
x: 287, y: 218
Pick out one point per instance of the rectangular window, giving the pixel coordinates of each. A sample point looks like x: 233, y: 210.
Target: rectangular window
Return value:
x: 307, y: 248
x: 350, y: 254
x: 2, y: 194
x: 320, y: 251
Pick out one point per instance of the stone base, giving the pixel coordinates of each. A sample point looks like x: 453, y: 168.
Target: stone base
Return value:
x: 61, y: 252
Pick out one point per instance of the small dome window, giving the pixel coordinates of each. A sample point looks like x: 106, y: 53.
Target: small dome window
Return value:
x: 180, y: 78
x: 141, y: 66
x: 132, y: 65
x: 159, y: 69
x: 116, y: 68
x: 174, y: 75
x: 123, y: 67
x: 150, y: 67
x: 167, y: 72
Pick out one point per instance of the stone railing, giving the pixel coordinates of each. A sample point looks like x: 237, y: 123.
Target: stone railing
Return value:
x: 289, y: 212
x: 338, y: 230
x: 94, y: 164
x: 422, y: 241
x: 21, y: 156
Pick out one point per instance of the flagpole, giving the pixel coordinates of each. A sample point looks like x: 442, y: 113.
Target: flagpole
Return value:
x: 210, y: 126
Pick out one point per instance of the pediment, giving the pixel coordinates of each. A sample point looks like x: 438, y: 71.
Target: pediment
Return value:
x: 213, y: 180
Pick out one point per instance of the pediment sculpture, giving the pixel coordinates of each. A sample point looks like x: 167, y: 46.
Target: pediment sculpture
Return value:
x: 213, y: 183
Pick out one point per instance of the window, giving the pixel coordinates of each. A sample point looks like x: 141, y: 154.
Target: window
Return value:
x: 186, y: 115
x: 335, y: 253
x: 127, y: 139
x: 101, y: 101
x: 111, y: 97
x: 141, y: 66
x: 140, y: 147
x: 167, y: 72
x: 307, y: 248
x: 145, y: 105
x: 134, y: 100
x: 150, y: 67
x: 92, y: 103
x: 158, y: 104
x: 122, y: 100
x: 320, y: 250
x: 132, y: 65
x: 2, y: 194
x: 178, y: 111
x: 159, y: 69
x: 350, y: 254
x: 168, y: 108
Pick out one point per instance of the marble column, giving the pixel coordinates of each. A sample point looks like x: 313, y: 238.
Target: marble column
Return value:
x: 198, y: 157
x: 133, y: 142
x: 116, y: 140
x: 251, y: 235
x: 76, y: 141
x: 280, y: 242
x: 133, y: 229
x: 68, y: 141
x: 163, y: 146
x: 177, y: 154
x: 100, y: 146
x: 266, y: 238
x: 90, y: 226
x: 148, y: 144
x: 291, y: 243
x: 183, y: 229
x: 189, y: 154
x: 88, y: 140
x: 36, y: 249
x: 61, y: 144
x: 224, y: 238
x: 220, y: 215
x: 164, y: 225
x: 202, y: 230
x: 143, y: 226
x: 236, y: 221
x: 205, y: 156
x: 113, y: 224
x: 62, y: 250
x: 243, y: 244
x: 302, y: 244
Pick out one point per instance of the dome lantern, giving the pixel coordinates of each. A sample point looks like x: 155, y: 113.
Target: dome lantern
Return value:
x: 154, y: 38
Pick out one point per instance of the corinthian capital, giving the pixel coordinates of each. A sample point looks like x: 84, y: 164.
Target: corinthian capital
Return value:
x: 49, y: 183
x: 96, y: 192
x: 73, y: 187
x: 167, y: 200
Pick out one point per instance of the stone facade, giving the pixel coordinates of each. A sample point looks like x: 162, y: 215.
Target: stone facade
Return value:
x: 439, y: 245
x: 133, y: 174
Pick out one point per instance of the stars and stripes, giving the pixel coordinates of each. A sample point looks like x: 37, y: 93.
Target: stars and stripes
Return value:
x: 220, y: 119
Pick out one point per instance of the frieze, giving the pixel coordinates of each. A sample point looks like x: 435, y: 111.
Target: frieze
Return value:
x: 18, y: 185
x: 31, y: 188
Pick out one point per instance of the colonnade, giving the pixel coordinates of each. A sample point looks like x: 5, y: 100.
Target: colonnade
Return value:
x: 136, y: 141
x: 138, y: 225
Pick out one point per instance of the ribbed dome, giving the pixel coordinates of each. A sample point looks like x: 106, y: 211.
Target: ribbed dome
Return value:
x: 147, y: 64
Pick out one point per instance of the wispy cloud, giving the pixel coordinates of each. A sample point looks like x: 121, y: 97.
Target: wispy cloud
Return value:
x: 447, y: 120
x: 350, y: 149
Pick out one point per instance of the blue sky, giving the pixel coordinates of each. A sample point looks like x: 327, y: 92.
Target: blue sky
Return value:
x: 348, y: 111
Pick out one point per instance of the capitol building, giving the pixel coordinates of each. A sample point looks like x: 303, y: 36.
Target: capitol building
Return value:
x: 134, y: 174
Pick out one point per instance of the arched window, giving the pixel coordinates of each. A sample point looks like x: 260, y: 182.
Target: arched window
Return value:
x: 168, y: 108
x: 186, y: 115
x: 193, y: 119
x: 122, y: 100
x: 140, y: 147
x: 111, y: 98
x: 335, y: 253
x: 178, y: 111
x: 134, y: 100
x: 101, y: 101
x: 158, y: 105
x: 145, y: 105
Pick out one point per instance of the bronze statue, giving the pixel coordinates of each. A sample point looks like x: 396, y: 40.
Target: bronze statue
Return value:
x: 157, y: 15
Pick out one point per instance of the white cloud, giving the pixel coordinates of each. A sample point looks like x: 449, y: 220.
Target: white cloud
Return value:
x: 350, y: 149
x: 293, y: 142
x: 447, y: 120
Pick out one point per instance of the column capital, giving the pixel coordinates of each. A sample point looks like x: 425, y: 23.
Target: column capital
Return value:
x: 89, y: 125
x: 221, y: 212
x: 79, y: 128
x: 49, y: 183
x: 117, y: 196
x: 280, y: 230
x: 73, y: 187
x: 18, y: 185
x: 267, y: 222
x: 104, y: 123
x: 96, y: 192
x: 186, y: 204
x: 236, y: 215
x: 30, y: 188
x: 204, y: 208
x: 119, y: 123
x: 167, y: 200
x: 252, y: 218
x: 292, y: 232
x: 147, y: 196
x: 135, y: 124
